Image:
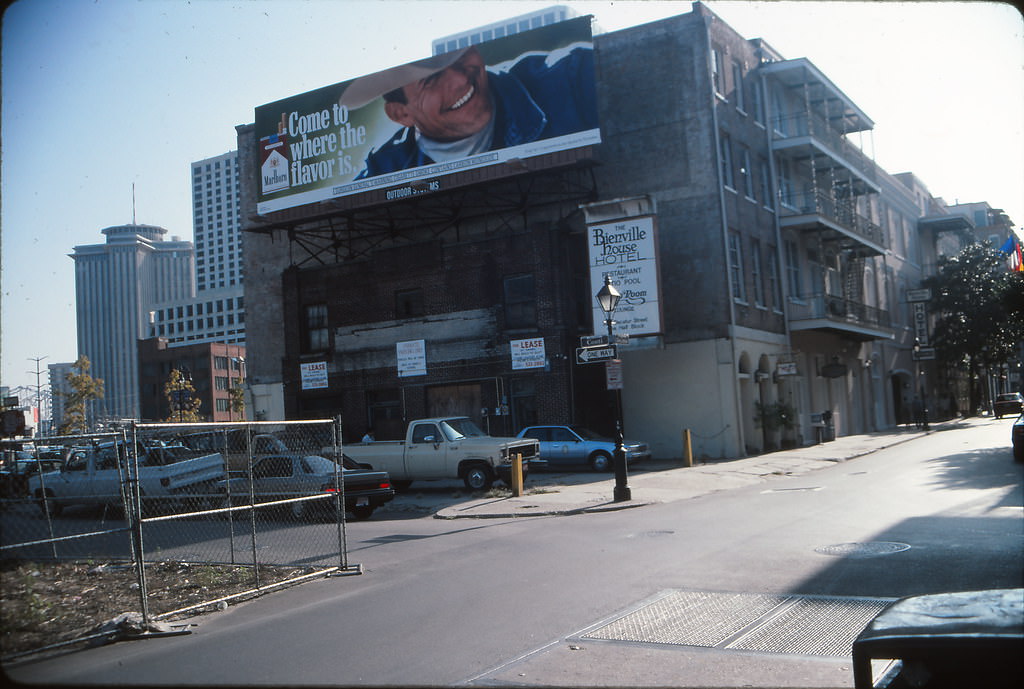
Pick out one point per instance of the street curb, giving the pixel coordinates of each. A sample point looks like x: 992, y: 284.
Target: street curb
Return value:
x: 552, y: 512
x: 453, y: 512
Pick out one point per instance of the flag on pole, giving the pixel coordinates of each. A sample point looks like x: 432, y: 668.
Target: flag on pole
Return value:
x: 1015, y: 259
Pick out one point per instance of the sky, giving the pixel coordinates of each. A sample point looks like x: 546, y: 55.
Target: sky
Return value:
x: 106, y: 103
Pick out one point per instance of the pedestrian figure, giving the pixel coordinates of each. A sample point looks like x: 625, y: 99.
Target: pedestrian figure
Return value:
x: 917, y: 407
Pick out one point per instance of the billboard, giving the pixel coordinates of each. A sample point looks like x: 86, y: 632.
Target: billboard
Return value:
x: 626, y: 250
x: 511, y: 98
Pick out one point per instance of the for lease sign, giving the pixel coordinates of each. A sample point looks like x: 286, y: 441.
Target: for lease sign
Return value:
x: 527, y: 353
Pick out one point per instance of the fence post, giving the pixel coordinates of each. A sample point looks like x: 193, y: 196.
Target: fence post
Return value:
x: 687, y: 448
x: 133, y: 513
x: 252, y: 502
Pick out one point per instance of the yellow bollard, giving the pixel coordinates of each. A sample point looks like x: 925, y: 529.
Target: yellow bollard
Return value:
x: 687, y: 448
x: 517, y: 474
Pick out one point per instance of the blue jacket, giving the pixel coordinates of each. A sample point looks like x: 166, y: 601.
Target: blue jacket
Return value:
x: 532, y: 101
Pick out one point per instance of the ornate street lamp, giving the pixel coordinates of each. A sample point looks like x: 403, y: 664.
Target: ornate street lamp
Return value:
x: 608, y: 297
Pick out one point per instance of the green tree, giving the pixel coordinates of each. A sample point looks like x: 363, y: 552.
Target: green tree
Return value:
x: 84, y: 389
x: 973, y: 297
x: 237, y: 402
x: 181, y: 398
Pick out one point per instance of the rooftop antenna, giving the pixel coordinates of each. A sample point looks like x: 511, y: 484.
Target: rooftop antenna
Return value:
x: 133, y: 203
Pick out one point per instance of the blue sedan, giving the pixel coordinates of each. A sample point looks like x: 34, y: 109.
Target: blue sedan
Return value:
x: 575, y: 446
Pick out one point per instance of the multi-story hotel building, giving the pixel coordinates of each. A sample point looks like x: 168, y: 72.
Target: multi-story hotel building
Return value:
x: 784, y: 260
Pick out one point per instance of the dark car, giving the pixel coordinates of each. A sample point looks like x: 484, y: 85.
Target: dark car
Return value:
x: 1008, y: 403
x: 1017, y: 436
x: 15, y: 474
x: 576, y: 446
x: 281, y: 477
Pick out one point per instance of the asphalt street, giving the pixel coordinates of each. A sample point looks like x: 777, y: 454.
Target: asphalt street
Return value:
x: 712, y: 575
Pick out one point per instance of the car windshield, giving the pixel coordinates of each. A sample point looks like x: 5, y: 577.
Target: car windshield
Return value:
x: 587, y: 434
x: 315, y: 464
x: 1008, y: 397
x: 457, y: 429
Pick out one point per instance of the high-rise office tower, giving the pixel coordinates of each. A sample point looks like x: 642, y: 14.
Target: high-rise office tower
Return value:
x: 117, y: 285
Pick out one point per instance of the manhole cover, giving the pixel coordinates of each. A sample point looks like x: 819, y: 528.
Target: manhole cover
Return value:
x: 863, y: 550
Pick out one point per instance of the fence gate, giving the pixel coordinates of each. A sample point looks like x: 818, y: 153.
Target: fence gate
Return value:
x: 222, y: 511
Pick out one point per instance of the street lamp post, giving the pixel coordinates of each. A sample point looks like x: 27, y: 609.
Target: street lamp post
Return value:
x: 608, y: 297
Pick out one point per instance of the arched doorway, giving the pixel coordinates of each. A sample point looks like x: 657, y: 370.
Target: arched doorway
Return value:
x: 901, y: 397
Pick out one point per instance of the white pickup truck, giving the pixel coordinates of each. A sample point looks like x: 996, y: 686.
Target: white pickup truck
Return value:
x: 453, y: 447
x: 90, y: 475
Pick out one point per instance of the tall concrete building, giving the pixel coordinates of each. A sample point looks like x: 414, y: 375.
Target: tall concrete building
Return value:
x: 215, y: 222
x: 59, y: 389
x: 507, y: 27
x: 117, y: 285
x: 217, y: 311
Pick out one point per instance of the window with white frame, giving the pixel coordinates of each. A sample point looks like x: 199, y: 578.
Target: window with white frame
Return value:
x: 739, y: 292
x: 793, y: 269
x: 766, y: 185
x: 756, y: 277
x: 716, y: 72
x: 725, y: 143
x: 737, y: 86
x: 774, y: 282
x: 748, y: 176
x: 758, y: 91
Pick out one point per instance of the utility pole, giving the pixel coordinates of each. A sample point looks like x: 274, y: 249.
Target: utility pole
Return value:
x: 39, y: 396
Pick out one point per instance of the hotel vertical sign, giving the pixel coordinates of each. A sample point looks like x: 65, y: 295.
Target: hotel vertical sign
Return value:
x: 626, y: 250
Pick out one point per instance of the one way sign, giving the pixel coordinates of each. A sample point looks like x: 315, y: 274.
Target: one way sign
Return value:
x: 593, y: 355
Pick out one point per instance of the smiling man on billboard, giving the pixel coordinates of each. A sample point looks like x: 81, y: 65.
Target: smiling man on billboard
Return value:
x: 451, y: 106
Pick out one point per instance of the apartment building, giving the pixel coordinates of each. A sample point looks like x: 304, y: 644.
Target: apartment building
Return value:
x: 784, y: 260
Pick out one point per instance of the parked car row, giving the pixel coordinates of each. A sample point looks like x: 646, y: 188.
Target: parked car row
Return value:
x: 238, y: 464
x: 578, y: 447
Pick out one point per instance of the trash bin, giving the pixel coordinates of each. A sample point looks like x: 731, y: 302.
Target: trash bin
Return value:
x: 965, y: 639
x: 830, y: 430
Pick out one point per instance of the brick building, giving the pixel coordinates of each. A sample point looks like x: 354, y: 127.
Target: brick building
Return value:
x: 777, y: 285
x: 213, y: 368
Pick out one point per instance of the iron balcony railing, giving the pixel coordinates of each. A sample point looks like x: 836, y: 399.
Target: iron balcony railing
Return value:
x: 801, y: 124
x: 837, y: 310
x: 841, y: 213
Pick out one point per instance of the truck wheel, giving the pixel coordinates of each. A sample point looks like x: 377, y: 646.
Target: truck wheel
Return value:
x: 55, y: 507
x: 601, y: 461
x: 298, y: 510
x: 478, y: 477
x: 362, y: 513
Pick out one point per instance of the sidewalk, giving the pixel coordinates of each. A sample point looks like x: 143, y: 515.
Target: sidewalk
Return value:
x: 677, y: 482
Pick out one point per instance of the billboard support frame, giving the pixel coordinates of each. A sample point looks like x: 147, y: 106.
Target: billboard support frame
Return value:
x: 344, y: 234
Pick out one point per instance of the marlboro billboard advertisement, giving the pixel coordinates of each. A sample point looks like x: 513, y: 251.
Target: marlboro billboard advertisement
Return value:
x: 511, y: 98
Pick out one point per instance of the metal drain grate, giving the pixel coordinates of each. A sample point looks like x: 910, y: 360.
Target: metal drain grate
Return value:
x: 800, y: 625
x: 689, y: 618
x: 812, y: 626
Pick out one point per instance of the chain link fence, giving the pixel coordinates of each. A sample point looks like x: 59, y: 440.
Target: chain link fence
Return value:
x: 239, y: 507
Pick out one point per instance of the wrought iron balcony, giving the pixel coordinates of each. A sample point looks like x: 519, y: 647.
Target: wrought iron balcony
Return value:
x: 805, y: 135
x: 818, y: 211
x: 849, y: 318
